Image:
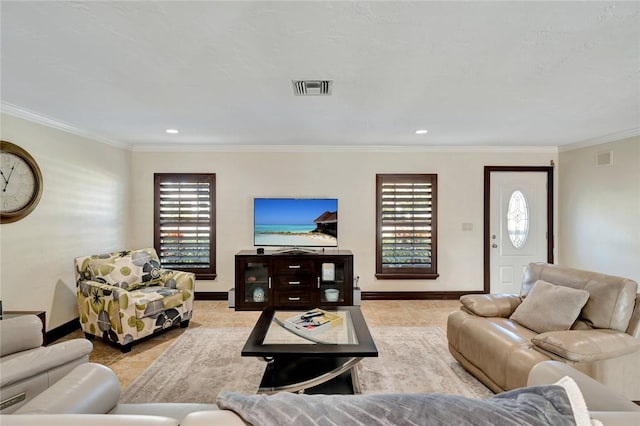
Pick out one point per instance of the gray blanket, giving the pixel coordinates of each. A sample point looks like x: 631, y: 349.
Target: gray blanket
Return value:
x: 534, y: 406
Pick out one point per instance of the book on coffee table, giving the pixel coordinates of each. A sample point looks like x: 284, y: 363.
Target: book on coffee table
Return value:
x: 313, y: 321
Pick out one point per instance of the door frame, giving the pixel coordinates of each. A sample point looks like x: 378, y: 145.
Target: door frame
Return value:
x: 487, y: 212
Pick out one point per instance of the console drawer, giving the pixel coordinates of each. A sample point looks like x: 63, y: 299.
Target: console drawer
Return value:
x: 294, y: 266
x: 292, y: 298
x: 292, y: 282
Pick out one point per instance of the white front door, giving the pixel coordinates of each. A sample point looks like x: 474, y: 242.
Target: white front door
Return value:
x: 517, y: 227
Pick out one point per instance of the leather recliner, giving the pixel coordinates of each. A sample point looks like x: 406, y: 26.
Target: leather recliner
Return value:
x: 26, y: 367
x: 603, y: 342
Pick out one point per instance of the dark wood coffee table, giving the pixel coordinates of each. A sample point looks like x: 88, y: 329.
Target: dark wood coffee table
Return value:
x: 319, y: 363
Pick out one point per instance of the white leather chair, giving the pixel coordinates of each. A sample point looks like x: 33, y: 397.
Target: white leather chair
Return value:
x: 26, y: 367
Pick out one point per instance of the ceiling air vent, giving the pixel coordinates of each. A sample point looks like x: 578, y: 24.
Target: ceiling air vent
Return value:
x: 312, y: 87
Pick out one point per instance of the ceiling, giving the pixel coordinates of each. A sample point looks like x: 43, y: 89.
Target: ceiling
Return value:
x: 474, y: 74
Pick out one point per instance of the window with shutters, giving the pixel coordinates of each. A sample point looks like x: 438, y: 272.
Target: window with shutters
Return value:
x: 406, y: 226
x: 184, y: 222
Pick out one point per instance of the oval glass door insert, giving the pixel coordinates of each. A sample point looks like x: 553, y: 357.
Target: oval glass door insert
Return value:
x: 518, y: 219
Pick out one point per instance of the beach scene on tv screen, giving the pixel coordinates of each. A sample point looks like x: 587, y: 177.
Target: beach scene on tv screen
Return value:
x: 295, y: 222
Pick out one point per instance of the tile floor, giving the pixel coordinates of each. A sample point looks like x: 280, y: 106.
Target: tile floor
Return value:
x: 217, y: 314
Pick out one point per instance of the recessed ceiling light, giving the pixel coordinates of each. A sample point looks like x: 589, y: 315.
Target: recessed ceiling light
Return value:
x: 172, y: 131
x: 421, y: 132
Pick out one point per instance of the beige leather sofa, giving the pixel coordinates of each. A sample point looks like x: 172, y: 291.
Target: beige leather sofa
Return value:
x: 28, y: 368
x: 88, y: 396
x: 603, y: 342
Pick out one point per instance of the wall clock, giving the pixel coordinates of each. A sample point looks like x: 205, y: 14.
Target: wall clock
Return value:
x: 20, y: 184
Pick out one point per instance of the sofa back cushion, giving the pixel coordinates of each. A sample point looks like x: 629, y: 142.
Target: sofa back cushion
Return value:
x: 611, y: 299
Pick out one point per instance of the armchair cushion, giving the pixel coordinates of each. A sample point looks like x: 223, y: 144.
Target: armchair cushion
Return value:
x: 490, y: 305
x: 587, y: 345
x: 154, y: 299
x: 130, y: 270
x: 550, y: 307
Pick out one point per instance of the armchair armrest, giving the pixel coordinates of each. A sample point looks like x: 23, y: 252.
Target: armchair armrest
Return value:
x: 490, y: 305
x: 178, y: 279
x: 20, y: 334
x: 95, y: 298
x: 44, y: 358
x: 87, y: 389
x: 587, y: 345
x: 183, y: 281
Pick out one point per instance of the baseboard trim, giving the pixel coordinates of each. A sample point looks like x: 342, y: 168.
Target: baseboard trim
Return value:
x: 211, y: 295
x: 368, y: 295
x: 62, y: 330
x: 415, y: 295
x: 74, y: 324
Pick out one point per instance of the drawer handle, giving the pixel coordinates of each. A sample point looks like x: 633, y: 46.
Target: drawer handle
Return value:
x: 294, y: 299
x: 294, y: 266
x: 294, y: 282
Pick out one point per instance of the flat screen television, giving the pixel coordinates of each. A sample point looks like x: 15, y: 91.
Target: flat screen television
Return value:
x: 295, y: 222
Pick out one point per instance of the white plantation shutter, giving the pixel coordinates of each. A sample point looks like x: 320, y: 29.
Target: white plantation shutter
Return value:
x: 406, y: 226
x: 185, y: 222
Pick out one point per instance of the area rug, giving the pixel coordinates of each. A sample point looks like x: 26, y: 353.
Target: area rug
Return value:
x: 204, y: 361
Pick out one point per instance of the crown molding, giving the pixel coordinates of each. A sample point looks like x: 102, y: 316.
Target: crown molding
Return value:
x: 337, y: 148
x: 31, y: 116
x: 611, y: 137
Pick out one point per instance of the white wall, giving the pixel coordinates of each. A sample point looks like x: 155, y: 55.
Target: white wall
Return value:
x: 599, y: 209
x: 84, y: 210
x: 349, y: 176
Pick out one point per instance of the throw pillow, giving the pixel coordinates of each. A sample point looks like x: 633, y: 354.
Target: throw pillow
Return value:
x: 550, y: 307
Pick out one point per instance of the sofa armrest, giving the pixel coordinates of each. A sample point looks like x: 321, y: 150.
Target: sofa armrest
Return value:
x: 634, y: 323
x: 20, y: 334
x: 490, y: 305
x: 42, y: 359
x: 87, y: 389
x: 597, y: 396
x: 587, y: 345
x: 84, y: 420
x: 213, y: 418
x: 616, y: 418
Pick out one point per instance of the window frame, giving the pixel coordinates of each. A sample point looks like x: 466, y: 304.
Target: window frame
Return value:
x: 383, y: 272
x: 208, y: 273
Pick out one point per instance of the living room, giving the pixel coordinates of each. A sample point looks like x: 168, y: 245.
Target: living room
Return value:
x: 98, y: 190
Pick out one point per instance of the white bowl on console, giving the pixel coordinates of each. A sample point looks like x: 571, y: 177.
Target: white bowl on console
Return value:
x: 331, y: 294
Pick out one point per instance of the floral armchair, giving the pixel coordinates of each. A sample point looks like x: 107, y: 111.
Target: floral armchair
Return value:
x: 125, y: 296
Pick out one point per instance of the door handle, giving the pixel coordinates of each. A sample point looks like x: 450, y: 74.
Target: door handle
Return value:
x: 494, y: 245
